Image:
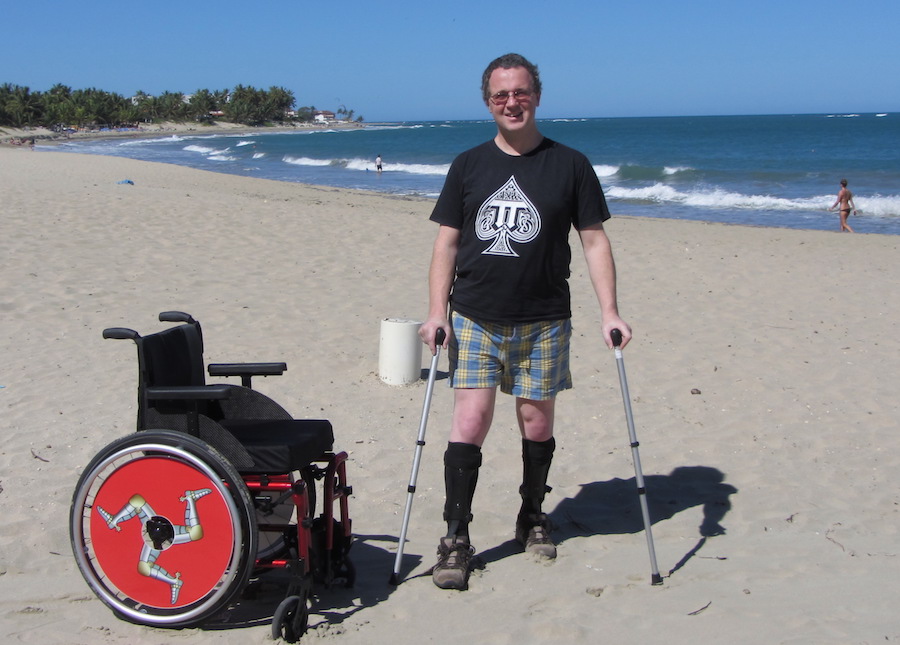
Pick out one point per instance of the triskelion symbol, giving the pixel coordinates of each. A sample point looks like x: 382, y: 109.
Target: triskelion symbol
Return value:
x: 159, y: 533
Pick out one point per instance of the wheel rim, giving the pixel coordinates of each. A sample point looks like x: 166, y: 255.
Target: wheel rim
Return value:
x: 194, y: 571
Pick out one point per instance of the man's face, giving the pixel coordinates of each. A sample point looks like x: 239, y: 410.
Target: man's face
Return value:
x: 515, y: 113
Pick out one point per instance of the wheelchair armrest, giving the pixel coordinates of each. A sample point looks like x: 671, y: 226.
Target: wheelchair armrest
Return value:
x: 120, y: 333
x: 246, y: 370
x: 189, y: 393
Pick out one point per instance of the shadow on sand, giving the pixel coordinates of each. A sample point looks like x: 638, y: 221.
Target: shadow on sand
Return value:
x: 332, y: 606
x: 600, y: 508
x: 613, y: 507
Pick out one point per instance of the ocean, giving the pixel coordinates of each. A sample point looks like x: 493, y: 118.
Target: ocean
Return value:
x: 772, y: 171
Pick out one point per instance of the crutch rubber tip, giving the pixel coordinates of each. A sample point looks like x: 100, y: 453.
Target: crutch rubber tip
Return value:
x: 656, y: 579
x: 394, y: 581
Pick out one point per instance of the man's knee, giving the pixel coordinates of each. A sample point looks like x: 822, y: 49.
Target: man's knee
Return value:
x: 473, y: 413
x: 536, y: 418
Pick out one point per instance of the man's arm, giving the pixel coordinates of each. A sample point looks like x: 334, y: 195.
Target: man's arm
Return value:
x: 440, y: 281
x: 602, y: 269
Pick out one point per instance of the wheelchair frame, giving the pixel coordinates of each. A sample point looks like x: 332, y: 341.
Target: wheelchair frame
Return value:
x: 245, y: 483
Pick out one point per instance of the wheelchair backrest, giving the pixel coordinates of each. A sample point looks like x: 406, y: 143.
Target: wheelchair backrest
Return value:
x: 172, y: 357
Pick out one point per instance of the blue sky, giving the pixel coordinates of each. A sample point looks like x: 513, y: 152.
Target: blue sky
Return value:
x: 414, y: 60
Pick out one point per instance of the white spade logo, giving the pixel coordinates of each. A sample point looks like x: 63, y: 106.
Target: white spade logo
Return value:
x: 507, y: 215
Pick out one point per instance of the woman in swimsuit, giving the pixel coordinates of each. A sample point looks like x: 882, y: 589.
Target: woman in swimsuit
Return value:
x: 845, y: 199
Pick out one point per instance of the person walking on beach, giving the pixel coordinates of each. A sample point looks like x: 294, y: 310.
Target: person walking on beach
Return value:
x: 498, y: 287
x: 378, y: 164
x: 845, y: 201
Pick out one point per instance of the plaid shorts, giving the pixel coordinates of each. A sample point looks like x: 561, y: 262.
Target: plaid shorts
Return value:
x: 528, y: 360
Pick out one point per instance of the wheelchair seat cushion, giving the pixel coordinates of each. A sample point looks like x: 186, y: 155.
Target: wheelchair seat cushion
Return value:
x: 281, y: 446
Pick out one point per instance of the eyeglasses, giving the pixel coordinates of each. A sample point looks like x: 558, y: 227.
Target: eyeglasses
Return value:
x: 520, y: 96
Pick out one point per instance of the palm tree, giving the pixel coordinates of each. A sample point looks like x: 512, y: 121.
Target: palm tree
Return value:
x: 281, y: 100
x: 22, y: 108
x: 202, y: 103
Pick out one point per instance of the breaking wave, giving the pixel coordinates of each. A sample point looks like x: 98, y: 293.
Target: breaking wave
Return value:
x: 877, y: 205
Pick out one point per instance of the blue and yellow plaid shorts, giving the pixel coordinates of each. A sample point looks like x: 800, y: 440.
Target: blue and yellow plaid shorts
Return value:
x: 528, y: 360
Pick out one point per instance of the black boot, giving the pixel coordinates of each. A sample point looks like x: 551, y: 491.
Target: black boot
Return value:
x: 532, y: 525
x: 461, y: 464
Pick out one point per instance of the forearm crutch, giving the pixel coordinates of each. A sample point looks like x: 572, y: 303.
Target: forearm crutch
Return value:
x: 616, y: 336
x: 420, y: 443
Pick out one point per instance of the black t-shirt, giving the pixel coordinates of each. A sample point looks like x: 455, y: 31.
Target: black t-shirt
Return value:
x: 514, y: 214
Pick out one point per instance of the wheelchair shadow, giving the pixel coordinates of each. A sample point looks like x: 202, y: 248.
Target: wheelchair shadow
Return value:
x: 613, y: 507
x: 261, y: 597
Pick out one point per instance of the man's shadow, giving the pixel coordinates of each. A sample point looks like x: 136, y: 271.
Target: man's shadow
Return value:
x: 613, y: 507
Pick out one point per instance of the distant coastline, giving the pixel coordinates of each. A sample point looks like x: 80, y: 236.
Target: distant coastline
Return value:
x: 24, y: 136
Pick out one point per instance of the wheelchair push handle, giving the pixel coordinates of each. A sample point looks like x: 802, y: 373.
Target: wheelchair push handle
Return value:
x: 176, y: 316
x: 120, y: 333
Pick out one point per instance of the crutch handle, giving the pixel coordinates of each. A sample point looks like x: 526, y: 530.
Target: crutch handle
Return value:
x: 616, y: 337
x: 440, y: 336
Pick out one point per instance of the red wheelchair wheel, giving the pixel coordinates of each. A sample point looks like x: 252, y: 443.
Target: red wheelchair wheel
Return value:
x: 163, y: 529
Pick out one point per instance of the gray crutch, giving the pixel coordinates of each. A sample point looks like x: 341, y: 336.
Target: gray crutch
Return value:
x: 616, y: 336
x: 420, y: 443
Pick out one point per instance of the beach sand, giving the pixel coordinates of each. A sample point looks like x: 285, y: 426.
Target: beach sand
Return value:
x: 763, y: 376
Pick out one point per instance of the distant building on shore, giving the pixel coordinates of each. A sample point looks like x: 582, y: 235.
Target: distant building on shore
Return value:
x: 323, y: 116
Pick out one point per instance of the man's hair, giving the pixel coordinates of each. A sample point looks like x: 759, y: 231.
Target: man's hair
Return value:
x: 844, y: 183
x: 508, y: 61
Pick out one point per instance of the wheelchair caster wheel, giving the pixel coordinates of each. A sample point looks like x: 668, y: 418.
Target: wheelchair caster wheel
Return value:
x: 290, y: 619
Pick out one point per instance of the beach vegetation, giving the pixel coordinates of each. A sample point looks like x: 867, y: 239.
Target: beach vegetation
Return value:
x: 62, y: 107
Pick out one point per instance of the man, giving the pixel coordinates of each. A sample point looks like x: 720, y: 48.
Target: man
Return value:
x: 845, y: 200
x: 500, y: 263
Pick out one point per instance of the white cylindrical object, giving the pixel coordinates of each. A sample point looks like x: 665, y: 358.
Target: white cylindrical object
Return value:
x: 400, y: 352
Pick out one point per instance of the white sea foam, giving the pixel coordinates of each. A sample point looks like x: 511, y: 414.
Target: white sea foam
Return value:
x: 142, y: 142
x: 715, y: 198
x: 204, y: 150
x: 606, y: 171
x: 244, y: 143
x: 306, y: 161
x: 367, y: 164
x: 221, y: 158
x: 259, y: 155
x: 878, y: 205
x: 419, y: 169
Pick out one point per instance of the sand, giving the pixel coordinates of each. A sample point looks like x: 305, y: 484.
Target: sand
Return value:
x: 763, y: 376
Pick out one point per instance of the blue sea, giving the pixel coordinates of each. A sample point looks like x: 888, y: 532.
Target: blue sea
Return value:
x: 772, y: 171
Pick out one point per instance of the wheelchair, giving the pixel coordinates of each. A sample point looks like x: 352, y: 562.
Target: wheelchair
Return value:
x: 218, y: 485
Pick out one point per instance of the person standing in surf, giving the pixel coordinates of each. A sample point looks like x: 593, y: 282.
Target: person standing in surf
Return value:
x: 498, y: 287
x: 845, y: 201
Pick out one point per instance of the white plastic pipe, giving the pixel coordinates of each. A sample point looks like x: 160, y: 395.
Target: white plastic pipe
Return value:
x: 400, y: 352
